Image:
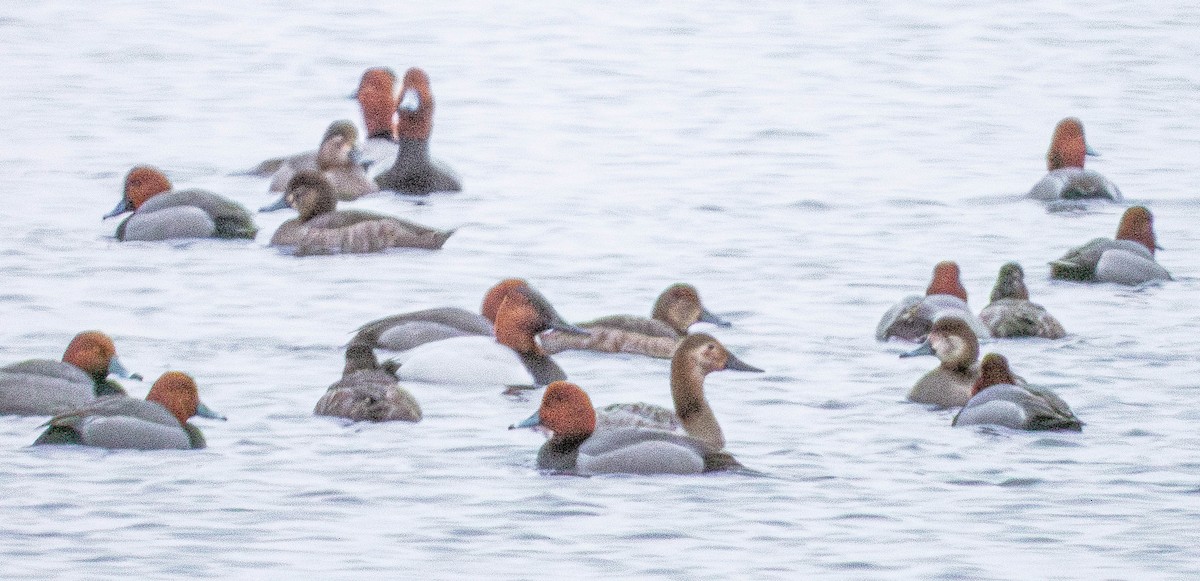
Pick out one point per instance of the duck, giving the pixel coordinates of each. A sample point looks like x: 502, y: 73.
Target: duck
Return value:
x: 338, y: 159
x: 159, y: 422
x: 956, y: 346
x: 1067, y: 180
x: 161, y: 213
x: 407, y: 330
x: 510, y: 358
x: 1011, y: 314
x: 413, y: 172
x: 675, y: 311
x: 1128, y: 260
x: 42, y: 387
x: 912, y: 317
x: 323, y: 229
x: 577, y: 447
x: 997, y: 400
x: 697, y: 355
x: 368, y: 391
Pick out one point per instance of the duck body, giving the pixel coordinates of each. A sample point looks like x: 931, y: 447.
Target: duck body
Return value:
x: 1011, y: 314
x: 913, y: 316
x: 1019, y: 408
x: 414, y: 172
x: 190, y: 213
x: 43, y: 387
x: 1075, y: 183
x: 1126, y: 259
x: 475, y: 360
x: 117, y: 422
x: 406, y: 331
x: 368, y: 391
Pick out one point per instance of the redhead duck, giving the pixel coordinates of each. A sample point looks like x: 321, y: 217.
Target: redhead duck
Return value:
x: 368, y: 391
x: 912, y: 317
x: 1127, y: 260
x: 160, y: 213
x: 697, y: 356
x: 405, y: 331
x: 997, y: 400
x: 577, y: 447
x: 1067, y: 180
x: 676, y: 309
x: 323, y: 229
x: 413, y: 172
x: 338, y: 159
x: 1010, y: 314
x: 158, y: 422
x: 44, y: 387
x: 955, y: 344
x: 512, y: 358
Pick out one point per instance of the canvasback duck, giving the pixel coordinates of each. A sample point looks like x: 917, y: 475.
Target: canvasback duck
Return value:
x: 676, y: 310
x: 323, y: 229
x: 997, y: 400
x: 160, y: 213
x: 1129, y: 259
x: 1010, y: 314
x: 912, y: 317
x: 956, y: 346
x: 368, y: 391
x: 338, y: 159
x: 158, y: 422
x: 413, y: 172
x: 512, y: 358
x: 407, y: 330
x: 40, y: 387
x: 697, y: 356
x: 1067, y: 180
x: 577, y: 447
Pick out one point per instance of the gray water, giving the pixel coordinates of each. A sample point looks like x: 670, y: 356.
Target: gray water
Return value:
x: 804, y: 165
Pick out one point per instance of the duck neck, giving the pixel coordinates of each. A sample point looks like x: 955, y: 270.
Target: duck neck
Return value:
x: 412, y: 150
x: 960, y: 355
x: 687, y: 391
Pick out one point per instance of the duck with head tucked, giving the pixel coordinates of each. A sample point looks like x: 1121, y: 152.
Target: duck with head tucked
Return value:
x: 1067, y: 180
x: 407, y: 330
x: 576, y: 446
x: 40, y: 387
x: 997, y: 400
x: 368, y: 391
x: 1011, y: 314
x: 512, y: 358
x: 160, y: 213
x: 1129, y: 259
x: 338, y: 159
x: 676, y: 310
x: 323, y: 229
x: 413, y: 172
x: 158, y: 422
x: 912, y: 317
x: 956, y: 346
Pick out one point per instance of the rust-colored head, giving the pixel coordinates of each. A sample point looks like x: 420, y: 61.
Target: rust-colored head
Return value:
x: 496, y: 294
x: 992, y: 371
x: 91, y: 351
x: 567, y: 410
x: 1010, y: 283
x: 517, y: 322
x: 377, y: 97
x: 1067, y: 147
x: 310, y: 194
x: 144, y: 182
x: 946, y: 281
x: 1138, y: 225
x: 176, y: 391
x: 414, y: 109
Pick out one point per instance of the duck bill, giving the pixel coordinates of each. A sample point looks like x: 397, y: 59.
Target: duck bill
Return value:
x: 706, y: 316
x: 207, y: 412
x: 1089, y: 151
x: 115, y: 367
x: 410, y: 101
x: 732, y: 362
x: 925, y: 348
x: 530, y: 422
x: 122, y: 207
x: 279, y: 204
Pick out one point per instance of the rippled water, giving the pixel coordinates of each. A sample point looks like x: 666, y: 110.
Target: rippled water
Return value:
x: 803, y: 165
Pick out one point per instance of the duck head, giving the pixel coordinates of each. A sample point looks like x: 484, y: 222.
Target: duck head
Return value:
x: 1010, y: 283
x: 141, y: 183
x: 993, y: 371
x: 95, y: 354
x: 339, y: 147
x: 523, y: 314
x: 1067, y: 147
x: 176, y: 391
x: 496, y: 294
x: 376, y: 96
x: 679, y: 306
x: 946, y: 281
x: 702, y: 353
x: 310, y: 194
x: 566, y: 410
x: 952, y: 341
x: 1137, y: 224
x: 414, y: 110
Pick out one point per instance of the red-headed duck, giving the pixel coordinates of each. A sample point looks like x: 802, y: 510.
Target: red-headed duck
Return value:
x: 1067, y: 180
x: 997, y: 400
x: 697, y: 356
x: 949, y: 384
x: 577, y: 447
x: 407, y: 330
x: 160, y: 213
x: 323, y: 229
x: 511, y: 358
x: 368, y: 391
x: 44, y: 387
x: 676, y: 309
x: 117, y: 422
x: 413, y: 172
x: 912, y: 317
x: 1011, y: 314
x: 339, y: 160
x: 1129, y: 259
